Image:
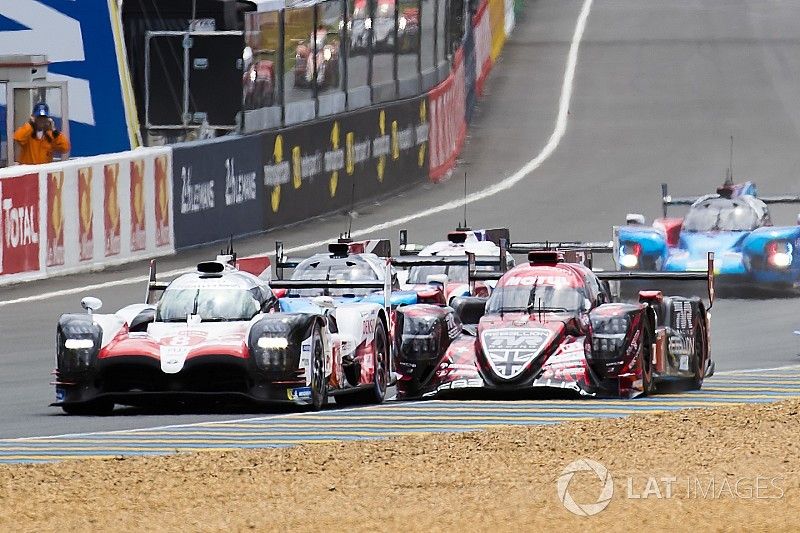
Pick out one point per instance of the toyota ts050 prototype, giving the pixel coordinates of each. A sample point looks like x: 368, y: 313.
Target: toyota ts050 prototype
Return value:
x: 734, y: 223
x: 218, y: 333
x: 555, y: 323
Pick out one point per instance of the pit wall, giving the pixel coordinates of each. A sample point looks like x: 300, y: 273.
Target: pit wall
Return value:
x: 90, y: 213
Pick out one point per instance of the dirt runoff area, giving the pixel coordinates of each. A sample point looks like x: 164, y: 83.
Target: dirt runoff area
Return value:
x: 705, y: 469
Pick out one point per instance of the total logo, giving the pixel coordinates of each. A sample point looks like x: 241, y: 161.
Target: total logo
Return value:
x: 20, y: 224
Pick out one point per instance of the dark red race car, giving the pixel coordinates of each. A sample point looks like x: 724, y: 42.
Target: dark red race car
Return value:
x: 553, y: 322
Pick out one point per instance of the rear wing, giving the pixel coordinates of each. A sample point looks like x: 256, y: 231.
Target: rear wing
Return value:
x: 469, y: 259
x: 698, y: 275
x: 494, y: 235
x: 668, y: 200
x: 154, y: 287
x: 574, y: 251
x: 385, y: 285
x: 379, y: 247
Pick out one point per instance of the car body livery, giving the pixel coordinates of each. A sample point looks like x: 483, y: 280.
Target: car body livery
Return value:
x: 734, y: 223
x: 555, y: 324
x: 219, y: 334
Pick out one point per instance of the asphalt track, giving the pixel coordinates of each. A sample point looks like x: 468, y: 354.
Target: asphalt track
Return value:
x: 392, y: 419
x: 659, y: 88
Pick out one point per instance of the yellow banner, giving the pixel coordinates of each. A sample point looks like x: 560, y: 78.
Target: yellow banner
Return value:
x: 497, y: 9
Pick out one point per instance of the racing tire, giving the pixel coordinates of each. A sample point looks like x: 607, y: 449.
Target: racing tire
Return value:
x: 319, y: 382
x: 376, y: 392
x: 94, y: 408
x: 700, y: 356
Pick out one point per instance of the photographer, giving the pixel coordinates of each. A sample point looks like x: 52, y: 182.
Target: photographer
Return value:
x: 39, y: 138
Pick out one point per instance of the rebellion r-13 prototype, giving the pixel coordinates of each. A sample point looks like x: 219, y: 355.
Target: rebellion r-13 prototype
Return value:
x: 419, y: 269
x: 554, y: 323
x: 218, y: 334
x: 734, y: 223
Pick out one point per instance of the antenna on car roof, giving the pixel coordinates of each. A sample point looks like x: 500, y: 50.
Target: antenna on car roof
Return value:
x: 351, y: 212
x: 729, y: 175
x: 463, y: 226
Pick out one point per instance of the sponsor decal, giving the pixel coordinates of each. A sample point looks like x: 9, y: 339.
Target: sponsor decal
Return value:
x: 138, y: 233
x: 530, y: 281
x: 334, y: 160
x: 380, y: 146
x: 276, y: 174
x: 682, y: 315
x: 55, y: 218
x: 85, y: 215
x: 239, y: 188
x: 162, y: 201
x: 300, y: 393
x: 19, y: 202
x: 111, y: 211
x: 509, y: 351
x: 195, y: 197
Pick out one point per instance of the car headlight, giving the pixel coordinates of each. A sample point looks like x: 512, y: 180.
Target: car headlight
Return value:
x: 78, y: 344
x: 779, y: 254
x: 272, y: 343
x: 629, y: 254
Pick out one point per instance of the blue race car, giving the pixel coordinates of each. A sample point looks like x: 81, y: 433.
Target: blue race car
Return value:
x: 734, y: 223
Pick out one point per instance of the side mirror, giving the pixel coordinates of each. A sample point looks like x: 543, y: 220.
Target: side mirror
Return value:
x: 91, y: 304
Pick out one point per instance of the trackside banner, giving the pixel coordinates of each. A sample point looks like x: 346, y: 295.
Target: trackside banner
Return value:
x: 448, y: 120
x: 85, y: 214
x: 218, y: 189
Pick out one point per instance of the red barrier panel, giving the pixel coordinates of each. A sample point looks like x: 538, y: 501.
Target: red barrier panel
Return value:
x: 483, y: 46
x: 448, y: 125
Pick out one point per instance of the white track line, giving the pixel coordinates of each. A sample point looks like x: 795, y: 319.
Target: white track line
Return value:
x: 504, y: 185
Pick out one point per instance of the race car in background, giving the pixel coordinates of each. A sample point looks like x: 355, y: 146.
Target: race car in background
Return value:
x: 488, y: 245
x: 380, y: 28
x: 734, y: 223
x: 326, y: 54
x: 218, y: 334
x: 552, y: 323
x: 258, y: 80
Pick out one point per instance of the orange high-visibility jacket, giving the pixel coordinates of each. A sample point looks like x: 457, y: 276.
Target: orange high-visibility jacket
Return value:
x: 37, y: 151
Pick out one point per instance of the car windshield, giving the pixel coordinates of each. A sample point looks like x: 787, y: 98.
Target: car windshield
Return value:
x: 533, y: 298
x: 716, y: 216
x: 212, y: 304
x: 344, y: 271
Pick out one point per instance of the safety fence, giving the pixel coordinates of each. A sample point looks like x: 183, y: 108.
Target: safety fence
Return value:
x: 89, y: 213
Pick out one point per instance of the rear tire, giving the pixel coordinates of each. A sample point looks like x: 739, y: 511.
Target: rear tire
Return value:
x: 700, y: 358
x: 646, y: 360
x: 319, y: 382
x: 376, y: 392
x: 93, y: 408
